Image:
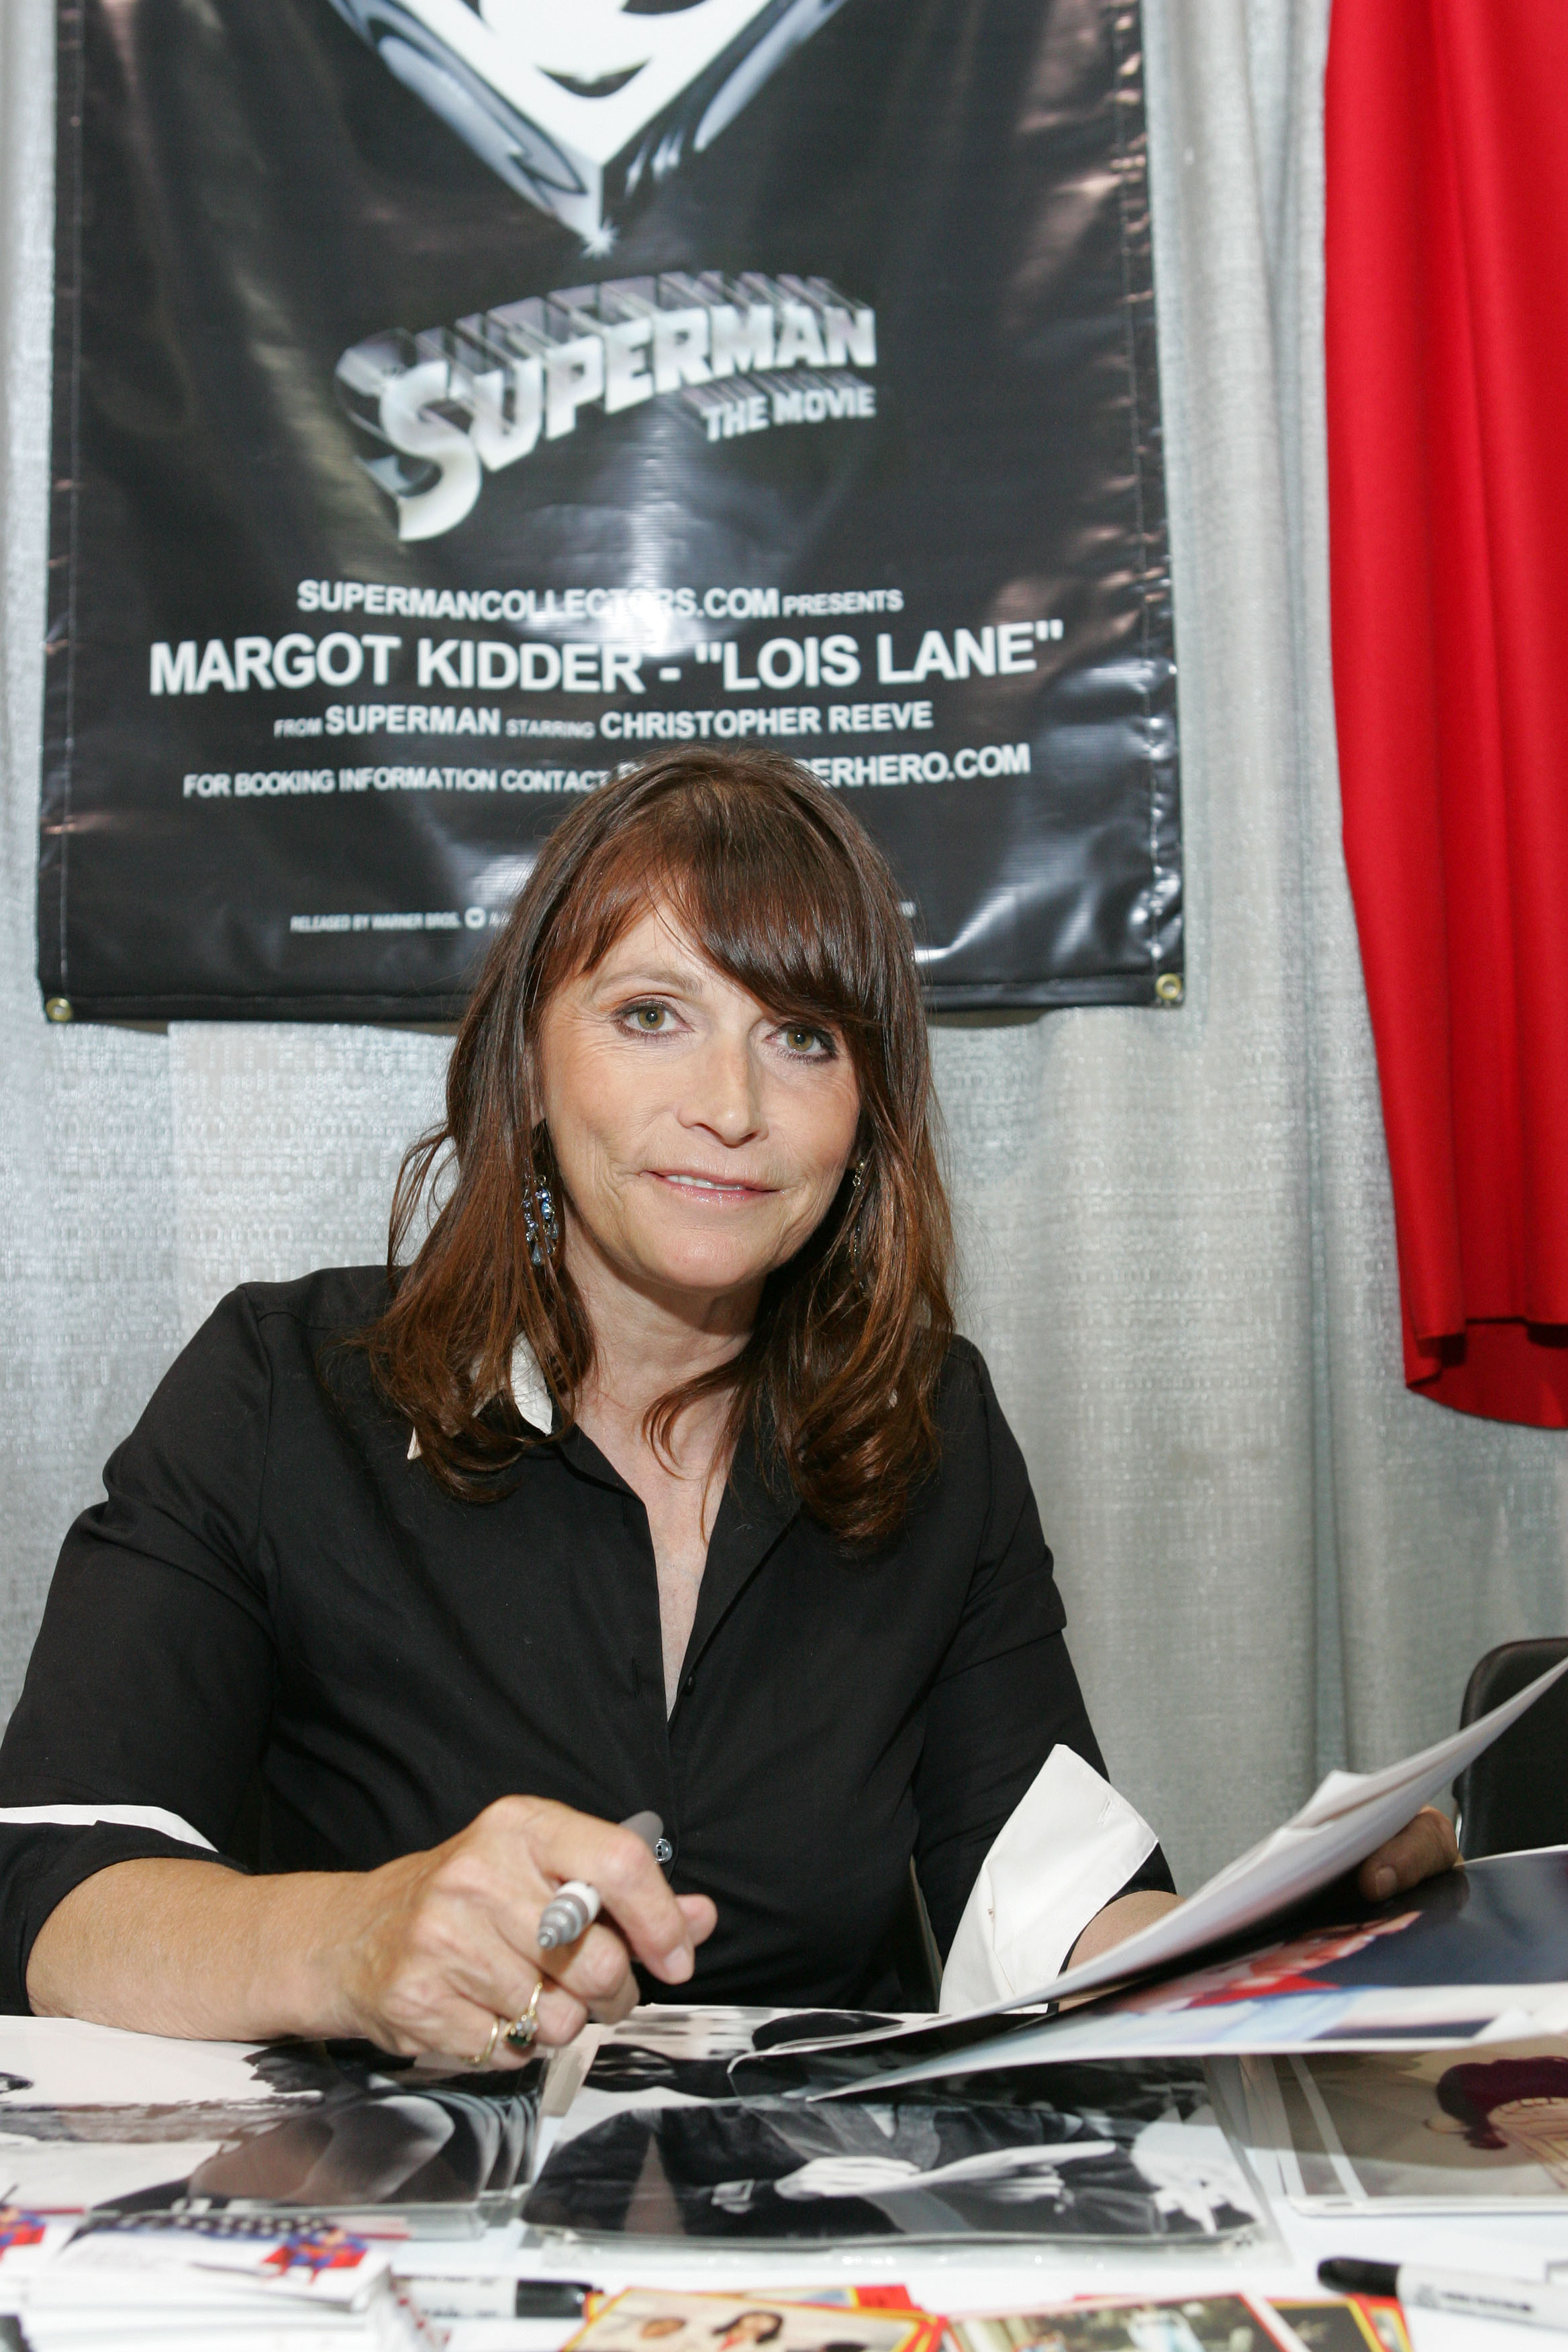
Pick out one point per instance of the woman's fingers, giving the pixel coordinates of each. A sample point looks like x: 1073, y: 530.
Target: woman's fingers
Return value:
x: 450, y: 1937
x: 597, y: 1968
x: 483, y: 1980
x: 494, y: 1881
x: 558, y: 2017
x: 1421, y: 1849
x: 477, y: 1904
x: 632, y: 1887
x: 451, y: 1975
x: 476, y: 2036
x: 701, y: 1915
x: 470, y: 2035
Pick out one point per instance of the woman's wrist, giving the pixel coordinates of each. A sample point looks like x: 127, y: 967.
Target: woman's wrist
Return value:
x: 192, y: 1948
x: 303, y: 1932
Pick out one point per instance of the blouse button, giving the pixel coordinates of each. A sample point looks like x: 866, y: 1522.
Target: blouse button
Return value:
x: 664, y: 1851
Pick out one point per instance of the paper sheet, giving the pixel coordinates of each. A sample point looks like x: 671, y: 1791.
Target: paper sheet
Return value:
x: 1347, y: 1817
x: 1472, y: 1957
x: 1459, y: 2133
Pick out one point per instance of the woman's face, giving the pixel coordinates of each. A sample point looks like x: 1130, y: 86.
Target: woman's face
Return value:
x: 700, y: 1137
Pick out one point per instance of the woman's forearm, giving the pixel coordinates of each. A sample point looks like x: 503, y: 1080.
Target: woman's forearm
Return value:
x: 1119, y: 1919
x: 429, y: 1953
x: 192, y: 1948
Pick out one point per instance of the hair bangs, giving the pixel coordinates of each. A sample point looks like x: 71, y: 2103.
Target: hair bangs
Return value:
x: 764, y: 892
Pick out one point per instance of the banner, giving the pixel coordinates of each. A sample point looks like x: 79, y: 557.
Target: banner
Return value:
x: 457, y: 400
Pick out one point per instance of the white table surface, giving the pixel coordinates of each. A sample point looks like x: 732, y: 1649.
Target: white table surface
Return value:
x: 1016, y: 2277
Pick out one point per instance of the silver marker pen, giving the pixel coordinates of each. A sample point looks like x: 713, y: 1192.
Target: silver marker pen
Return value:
x: 1470, y: 2292
x: 573, y: 1908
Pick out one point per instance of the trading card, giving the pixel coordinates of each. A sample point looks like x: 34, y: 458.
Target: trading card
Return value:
x: 644, y: 2320
x: 1328, y: 2322
x: 1225, y: 2322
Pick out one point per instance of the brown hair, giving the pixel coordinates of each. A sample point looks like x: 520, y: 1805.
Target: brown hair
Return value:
x: 789, y: 898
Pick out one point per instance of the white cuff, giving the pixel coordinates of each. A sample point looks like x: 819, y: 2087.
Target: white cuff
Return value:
x: 125, y: 1816
x: 1068, y: 1846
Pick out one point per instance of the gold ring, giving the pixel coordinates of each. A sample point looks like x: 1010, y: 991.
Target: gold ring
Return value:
x: 521, y: 2034
x: 487, y: 2052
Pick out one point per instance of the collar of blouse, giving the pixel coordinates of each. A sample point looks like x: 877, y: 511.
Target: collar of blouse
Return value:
x: 528, y: 1393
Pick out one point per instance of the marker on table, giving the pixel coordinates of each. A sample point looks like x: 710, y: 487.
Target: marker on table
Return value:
x: 1471, y: 2294
x: 459, y: 2295
x: 573, y: 1908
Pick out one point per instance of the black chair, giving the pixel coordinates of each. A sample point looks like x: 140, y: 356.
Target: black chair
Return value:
x: 1516, y: 1794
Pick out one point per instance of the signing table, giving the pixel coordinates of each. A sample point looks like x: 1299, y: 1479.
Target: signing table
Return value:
x: 1011, y: 2277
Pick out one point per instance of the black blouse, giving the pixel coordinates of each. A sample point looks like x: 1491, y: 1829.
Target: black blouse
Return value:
x: 273, y: 1583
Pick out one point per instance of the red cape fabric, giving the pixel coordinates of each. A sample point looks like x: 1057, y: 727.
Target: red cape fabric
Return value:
x: 1448, y: 403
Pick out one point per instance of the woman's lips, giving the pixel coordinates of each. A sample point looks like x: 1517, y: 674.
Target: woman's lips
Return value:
x: 709, y: 1188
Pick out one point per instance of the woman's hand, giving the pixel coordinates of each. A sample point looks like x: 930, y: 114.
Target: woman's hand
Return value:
x: 444, y: 1941
x: 422, y: 1956
x: 1424, y: 1848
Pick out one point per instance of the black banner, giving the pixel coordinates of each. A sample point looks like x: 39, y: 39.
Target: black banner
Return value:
x: 458, y: 399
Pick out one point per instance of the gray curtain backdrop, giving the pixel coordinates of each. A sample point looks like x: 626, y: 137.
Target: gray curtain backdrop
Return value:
x: 1177, y: 1236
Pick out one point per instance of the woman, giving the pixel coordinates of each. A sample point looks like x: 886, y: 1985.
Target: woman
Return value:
x: 749, y: 2327
x: 651, y: 1476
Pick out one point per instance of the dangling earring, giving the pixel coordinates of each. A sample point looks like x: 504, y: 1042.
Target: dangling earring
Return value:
x: 854, y: 1224
x: 545, y: 1219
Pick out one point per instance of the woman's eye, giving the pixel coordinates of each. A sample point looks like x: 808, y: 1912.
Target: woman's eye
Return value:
x: 649, y: 1018
x: 814, y: 1042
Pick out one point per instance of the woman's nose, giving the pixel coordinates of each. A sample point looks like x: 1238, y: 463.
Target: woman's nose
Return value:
x: 725, y: 1098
